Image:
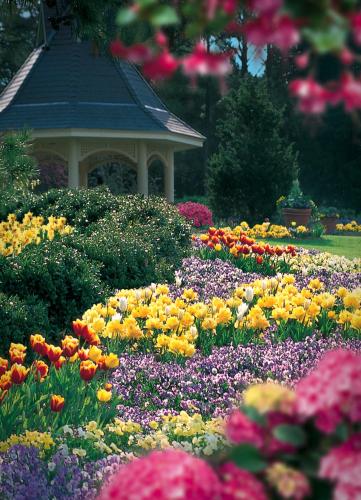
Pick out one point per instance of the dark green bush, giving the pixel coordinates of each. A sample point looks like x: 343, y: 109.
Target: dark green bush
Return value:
x: 19, y: 318
x: 57, y: 275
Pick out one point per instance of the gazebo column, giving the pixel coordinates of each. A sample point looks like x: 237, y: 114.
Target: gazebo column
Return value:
x: 73, y: 164
x: 169, y: 178
x: 83, y: 175
x: 142, y: 169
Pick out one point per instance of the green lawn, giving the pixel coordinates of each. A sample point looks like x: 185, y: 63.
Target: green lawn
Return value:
x: 349, y: 246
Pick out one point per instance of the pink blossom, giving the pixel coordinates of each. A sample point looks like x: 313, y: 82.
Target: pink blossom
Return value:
x: 239, y: 484
x: 201, y: 62
x: 350, y: 92
x: 332, y: 392
x: 302, y: 61
x: 277, y: 30
x: 312, y: 97
x: 356, y: 27
x: 265, y: 6
x: 137, y: 53
x: 240, y: 429
x: 343, y: 466
x: 346, y: 56
x: 163, y: 475
x: 161, y: 66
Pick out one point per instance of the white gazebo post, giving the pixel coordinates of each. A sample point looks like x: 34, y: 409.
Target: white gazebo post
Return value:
x: 73, y: 164
x: 142, y: 169
x: 169, y: 178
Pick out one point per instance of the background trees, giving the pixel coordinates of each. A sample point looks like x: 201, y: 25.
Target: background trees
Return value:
x: 254, y: 164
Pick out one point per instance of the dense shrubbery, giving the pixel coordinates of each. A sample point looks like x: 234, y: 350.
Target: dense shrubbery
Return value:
x: 118, y: 242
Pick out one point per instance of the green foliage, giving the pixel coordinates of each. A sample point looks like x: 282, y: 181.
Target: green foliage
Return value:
x: 296, y: 198
x: 17, y: 168
x: 56, y: 276
x: 254, y: 164
x: 20, y: 317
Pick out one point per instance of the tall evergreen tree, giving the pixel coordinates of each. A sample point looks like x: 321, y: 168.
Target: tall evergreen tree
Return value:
x: 254, y: 164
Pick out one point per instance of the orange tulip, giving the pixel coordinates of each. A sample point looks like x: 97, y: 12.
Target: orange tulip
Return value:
x: 91, y: 337
x: 17, y: 347
x: 18, y: 373
x: 83, y: 354
x: 87, y: 370
x: 59, y: 363
x: 38, y: 344
x: 101, y: 363
x: 4, y: 365
x: 56, y: 403
x: 17, y: 356
x: 54, y: 353
x: 108, y: 386
x: 78, y: 327
x: 41, y: 368
x: 69, y: 345
x: 5, y: 381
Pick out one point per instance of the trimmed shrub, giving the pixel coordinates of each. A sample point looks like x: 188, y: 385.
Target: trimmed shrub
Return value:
x: 56, y: 275
x: 19, y: 318
x: 196, y: 213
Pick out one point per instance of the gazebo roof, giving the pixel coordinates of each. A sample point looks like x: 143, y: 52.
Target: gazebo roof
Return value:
x: 65, y: 86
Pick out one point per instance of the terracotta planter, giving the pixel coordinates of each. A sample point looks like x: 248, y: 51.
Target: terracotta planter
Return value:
x: 329, y: 221
x: 299, y: 215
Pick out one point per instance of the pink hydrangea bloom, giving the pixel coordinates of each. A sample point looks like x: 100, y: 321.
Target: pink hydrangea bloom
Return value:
x: 332, y: 392
x: 239, y: 484
x: 163, y: 475
x: 240, y: 429
x: 343, y: 466
x: 198, y: 214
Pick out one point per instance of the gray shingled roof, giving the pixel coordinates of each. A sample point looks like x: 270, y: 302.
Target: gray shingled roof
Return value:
x: 68, y: 87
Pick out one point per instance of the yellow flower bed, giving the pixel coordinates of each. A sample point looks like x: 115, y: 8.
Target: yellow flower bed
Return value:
x: 150, y: 319
x: 352, y: 227
x: 15, y: 235
x: 41, y: 440
x: 264, y: 230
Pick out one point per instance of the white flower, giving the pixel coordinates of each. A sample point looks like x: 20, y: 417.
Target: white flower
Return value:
x: 241, y: 311
x: 249, y: 294
x: 138, y: 294
x: 274, y: 283
x: 79, y: 451
x: 51, y: 466
x: 153, y: 287
x: 279, y: 276
x: 67, y: 430
x: 167, y: 310
x: 180, y: 313
x: 116, y: 316
x: 123, y: 303
x: 193, y: 331
x: 178, y: 281
x: 264, y: 284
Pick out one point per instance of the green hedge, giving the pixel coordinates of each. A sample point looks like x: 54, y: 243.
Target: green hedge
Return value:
x: 118, y: 242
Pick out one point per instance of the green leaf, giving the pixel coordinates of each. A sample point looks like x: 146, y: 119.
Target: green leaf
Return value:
x: 253, y: 414
x: 328, y: 39
x: 125, y: 16
x: 248, y: 457
x: 164, y: 15
x: 290, y: 434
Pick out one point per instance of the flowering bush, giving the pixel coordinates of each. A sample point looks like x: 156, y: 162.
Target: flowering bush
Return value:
x: 198, y: 214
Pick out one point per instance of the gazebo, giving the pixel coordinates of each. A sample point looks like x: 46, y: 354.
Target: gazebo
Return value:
x: 84, y: 109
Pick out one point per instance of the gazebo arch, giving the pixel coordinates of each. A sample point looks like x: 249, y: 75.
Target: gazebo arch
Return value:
x: 76, y: 102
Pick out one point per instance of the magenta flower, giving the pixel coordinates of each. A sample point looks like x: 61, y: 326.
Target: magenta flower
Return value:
x: 163, y: 475
x: 240, y: 429
x: 239, y: 484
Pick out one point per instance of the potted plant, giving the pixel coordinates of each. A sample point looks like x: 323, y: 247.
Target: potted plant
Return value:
x: 296, y: 207
x: 329, y: 217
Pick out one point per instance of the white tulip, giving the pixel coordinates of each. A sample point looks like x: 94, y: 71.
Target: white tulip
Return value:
x: 241, y: 310
x: 116, y: 316
x: 178, y: 281
x: 180, y: 314
x: 193, y: 331
x: 279, y: 276
x: 123, y: 303
x: 249, y: 294
x: 153, y: 287
x: 167, y: 311
x: 274, y: 283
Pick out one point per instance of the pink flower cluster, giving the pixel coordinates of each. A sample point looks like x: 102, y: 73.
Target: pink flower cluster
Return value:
x: 198, y: 214
x: 332, y: 392
x: 163, y: 475
x: 343, y: 466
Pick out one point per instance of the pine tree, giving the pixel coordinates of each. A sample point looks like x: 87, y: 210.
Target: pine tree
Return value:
x: 254, y: 164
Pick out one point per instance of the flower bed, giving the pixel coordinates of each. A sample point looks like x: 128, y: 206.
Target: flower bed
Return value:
x: 161, y: 367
